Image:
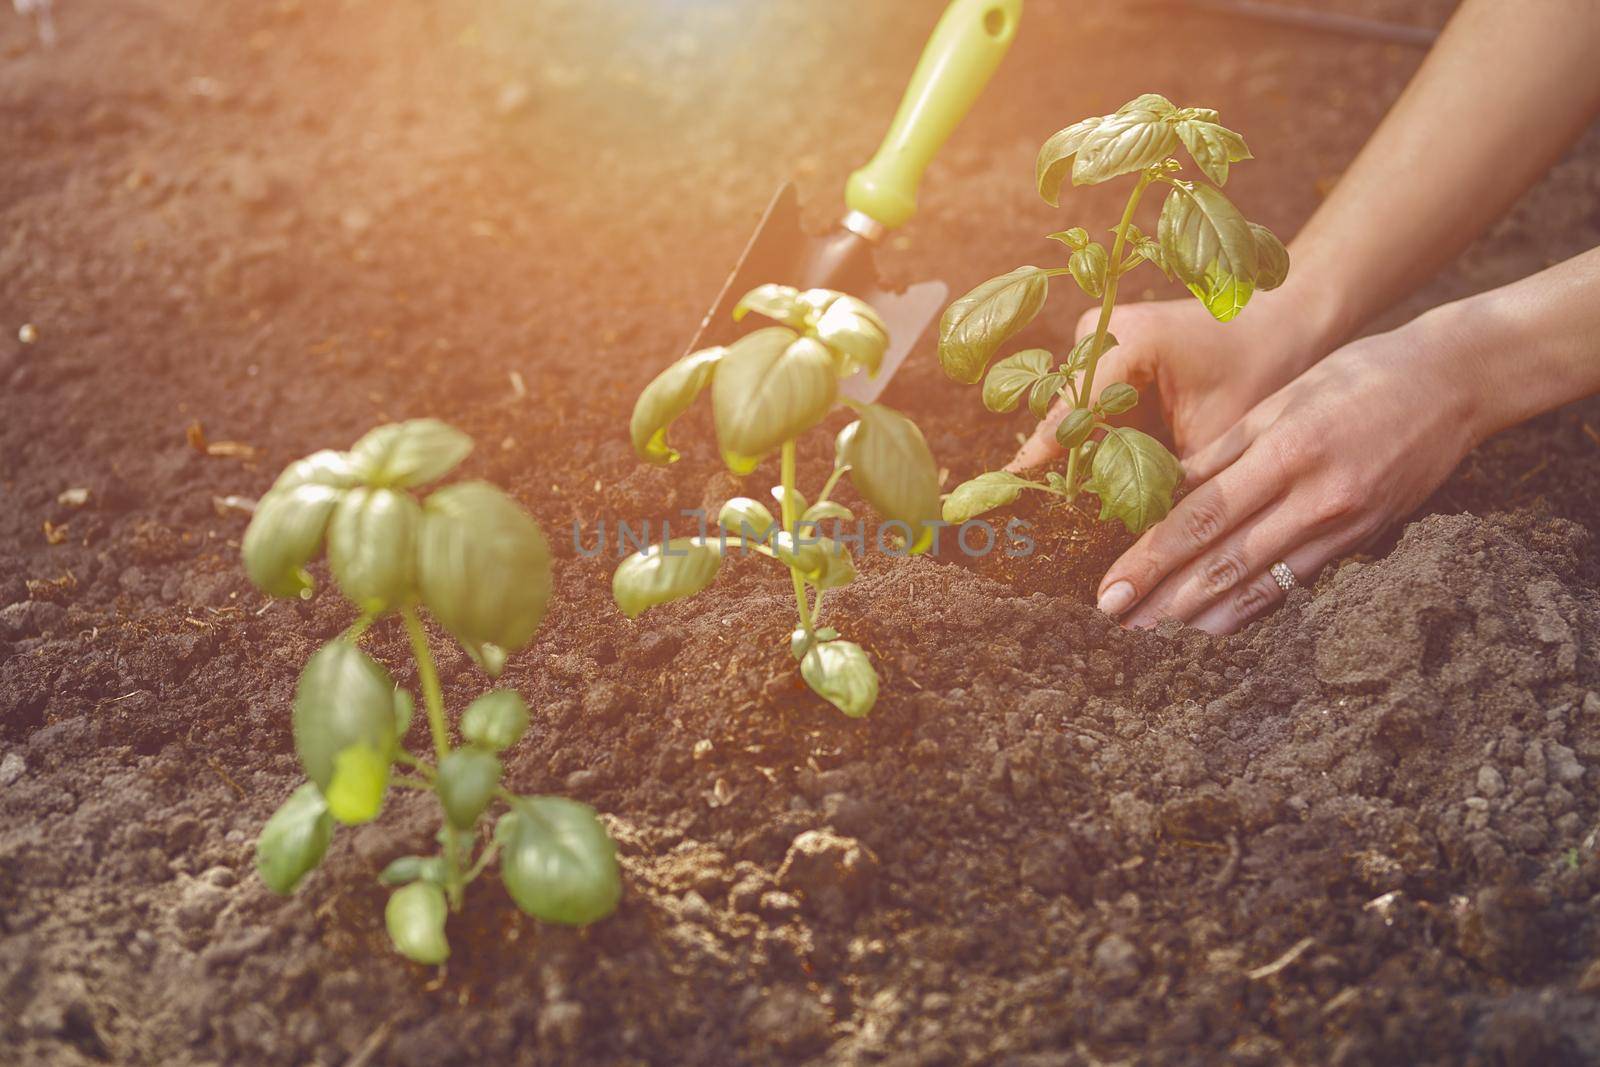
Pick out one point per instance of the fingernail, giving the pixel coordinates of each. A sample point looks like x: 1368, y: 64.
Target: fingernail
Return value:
x: 1118, y: 598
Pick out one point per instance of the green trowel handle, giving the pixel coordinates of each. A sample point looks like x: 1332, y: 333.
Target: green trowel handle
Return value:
x: 966, y: 47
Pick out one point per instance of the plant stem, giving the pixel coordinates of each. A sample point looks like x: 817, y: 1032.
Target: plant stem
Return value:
x: 524, y: 812
x: 433, y: 700
x: 833, y: 480
x: 354, y: 631
x: 432, y: 694
x: 485, y: 858
x: 1109, y: 298
x: 409, y: 760
x: 790, y: 524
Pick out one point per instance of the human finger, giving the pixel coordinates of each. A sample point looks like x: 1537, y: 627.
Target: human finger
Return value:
x: 1195, y: 523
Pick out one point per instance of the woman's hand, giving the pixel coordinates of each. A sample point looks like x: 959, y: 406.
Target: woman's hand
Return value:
x: 1310, y: 473
x: 1207, y: 374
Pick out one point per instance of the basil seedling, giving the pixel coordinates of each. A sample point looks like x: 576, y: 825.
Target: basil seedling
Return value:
x: 480, y: 565
x: 768, y: 388
x: 1201, y: 240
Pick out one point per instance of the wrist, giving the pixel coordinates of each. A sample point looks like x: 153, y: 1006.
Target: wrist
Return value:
x: 1289, y: 330
x: 1464, y: 390
x: 1313, y: 308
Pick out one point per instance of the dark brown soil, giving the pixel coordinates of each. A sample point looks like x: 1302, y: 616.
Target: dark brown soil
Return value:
x: 1059, y: 548
x: 1364, y: 831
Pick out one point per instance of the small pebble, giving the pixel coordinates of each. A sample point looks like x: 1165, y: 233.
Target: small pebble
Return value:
x: 790, y: 1019
x: 832, y: 873
x: 778, y: 905
x: 695, y: 908
x: 1490, y: 782
x: 199, y: 907
x: 12, y: 768
x: 28, y: 334
x: 561, y: 1023
x: 1562, y: 762
x: 221, y: 877
x: 1117, y: 962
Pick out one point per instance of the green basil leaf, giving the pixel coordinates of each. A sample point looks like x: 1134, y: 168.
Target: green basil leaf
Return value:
x: 467, y: 780
x: 893, y: 468
x: 838, y: 566
x: 483, y: 568
x: 1213, y: 147
x: 800, y: 642
x: 841, y: 443
x: 294, y: 840
x: 1139, y: 135
x: 496, y: 720
x: 668, y: 396
x: 1055, y: 480
x: 1134, y: 476
x: 826, y: 509
x: 413, y: 869
x: 1008, y: 379
x: 1044, y: 393
x: 973, y: 327
x: 986, y: 492
x: 800, y: 505
x: 283, y: 536
x: 841, y: 673
x: 372, y: 548
x: 557, y: 861
x: 662, y: 573
x: 1088, y: 267
x: 746, y: 518
x: 1055, y: 158
x: 1117, y: 398
x: 1223, y: 293
x: 329, y: 468
x: 801, y: 554
x: 1073, y: 430
x: 778, y: 302
x: 360, y: 779
x: 404, y: 707
x: 1145, y: 247
x: 855, y: 333
x: 772, y: 387
x: 1210, y: 247
x: 1273, y: 259
x: 1075, y: 238
x: 344, y: 721
x: 1151, y: 102
x: 409, y: 453
x: 1078, y: 359
x: 415, y: 916
x: 1149, y: 249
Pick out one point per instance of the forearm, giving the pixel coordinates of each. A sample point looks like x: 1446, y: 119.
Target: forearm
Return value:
x: 1502, y: 95
x: 1523, y: 349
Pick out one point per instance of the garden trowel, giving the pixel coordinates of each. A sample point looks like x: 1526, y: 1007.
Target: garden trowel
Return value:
x: 964, y: 50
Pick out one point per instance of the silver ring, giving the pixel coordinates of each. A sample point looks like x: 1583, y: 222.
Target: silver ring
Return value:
x: 1284, y: 576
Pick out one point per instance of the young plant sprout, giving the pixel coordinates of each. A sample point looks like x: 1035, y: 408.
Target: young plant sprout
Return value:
x: 768, y: 388
x: 1201, y: 239
x: 480, y: 565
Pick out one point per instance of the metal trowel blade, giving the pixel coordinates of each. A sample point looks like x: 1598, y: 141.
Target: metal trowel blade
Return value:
x: 781, y: 251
